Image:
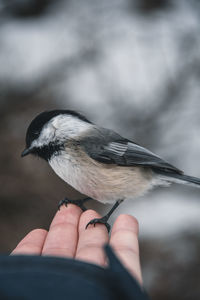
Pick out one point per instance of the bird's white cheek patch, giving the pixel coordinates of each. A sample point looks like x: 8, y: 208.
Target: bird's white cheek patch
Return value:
x: 47, y: 135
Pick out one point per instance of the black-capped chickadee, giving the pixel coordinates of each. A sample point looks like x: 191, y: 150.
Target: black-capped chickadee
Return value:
x: 97, y: 161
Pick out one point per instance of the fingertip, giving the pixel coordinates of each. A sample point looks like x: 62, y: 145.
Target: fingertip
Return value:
x: 69, y: 207
x: 69, y: 214
x: 91, y: 213
x: 126, y: 218
x: 38, y: 234
x: 38, y: 231
x: 32, y: 243
x: 125, y: 221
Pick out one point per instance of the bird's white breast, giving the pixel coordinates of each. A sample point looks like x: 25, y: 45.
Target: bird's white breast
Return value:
x: 105, y: 183
x: 69, y: 169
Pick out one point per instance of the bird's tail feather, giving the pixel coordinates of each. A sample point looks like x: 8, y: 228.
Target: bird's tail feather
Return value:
x: 178, y: 178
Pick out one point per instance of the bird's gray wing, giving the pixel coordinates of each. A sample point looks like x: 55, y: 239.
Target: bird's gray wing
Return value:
x: 108, y: 147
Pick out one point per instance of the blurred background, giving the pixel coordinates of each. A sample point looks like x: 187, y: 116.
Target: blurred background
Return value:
x: 131, y: 65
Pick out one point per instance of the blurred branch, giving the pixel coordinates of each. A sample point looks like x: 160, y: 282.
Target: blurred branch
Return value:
x: 47, y: 81
x: 24, y: 8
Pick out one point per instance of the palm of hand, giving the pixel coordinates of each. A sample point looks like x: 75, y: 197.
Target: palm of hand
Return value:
x: 67, y: 237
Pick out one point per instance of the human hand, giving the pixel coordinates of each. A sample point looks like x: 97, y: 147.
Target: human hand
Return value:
x: 67, y: 237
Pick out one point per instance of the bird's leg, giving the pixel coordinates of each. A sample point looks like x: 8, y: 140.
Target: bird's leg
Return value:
x: 79, y: 203
x: 104, y: 219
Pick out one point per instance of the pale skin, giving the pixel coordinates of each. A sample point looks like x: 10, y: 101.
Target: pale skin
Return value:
x: 67, y: 237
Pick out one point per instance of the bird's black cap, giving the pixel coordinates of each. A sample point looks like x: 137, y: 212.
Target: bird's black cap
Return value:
x: 40, y: 120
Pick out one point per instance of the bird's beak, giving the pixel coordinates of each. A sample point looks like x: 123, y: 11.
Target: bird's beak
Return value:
x: 26, y: 152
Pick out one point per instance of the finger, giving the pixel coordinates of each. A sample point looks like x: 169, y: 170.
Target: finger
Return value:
x: 32, y: 243
x: 92, y: 239
x: 62, y: 237
x: 124, y: 240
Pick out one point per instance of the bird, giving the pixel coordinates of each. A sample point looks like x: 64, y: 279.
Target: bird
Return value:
x: 96, y: 161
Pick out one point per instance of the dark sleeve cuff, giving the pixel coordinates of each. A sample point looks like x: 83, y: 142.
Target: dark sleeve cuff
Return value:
x: 42, y: 277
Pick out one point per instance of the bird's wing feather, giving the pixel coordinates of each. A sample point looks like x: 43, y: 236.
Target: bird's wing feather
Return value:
x: 108, y: 147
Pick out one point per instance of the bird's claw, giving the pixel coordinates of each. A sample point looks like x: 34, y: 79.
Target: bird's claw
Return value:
x: 79, y: 203
x: 62, y: 202
x: 99, y: 221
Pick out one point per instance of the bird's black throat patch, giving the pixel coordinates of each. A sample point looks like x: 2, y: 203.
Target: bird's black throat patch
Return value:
x: 47, y: 151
